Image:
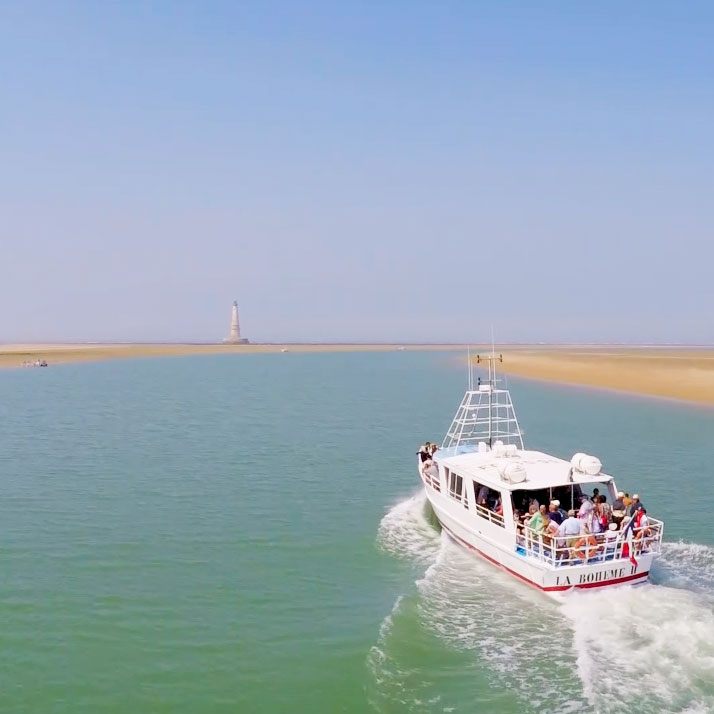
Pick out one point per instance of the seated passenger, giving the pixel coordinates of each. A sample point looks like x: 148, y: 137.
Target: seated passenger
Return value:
x: 626, y: 500
x: 537, y: 521
x: 482, y: 497
x: 498, y: 506
x: 554, y: 512
x: 641, y: 529
x: 551, y: 526
x: 532, y: 510
x: 611, y: 539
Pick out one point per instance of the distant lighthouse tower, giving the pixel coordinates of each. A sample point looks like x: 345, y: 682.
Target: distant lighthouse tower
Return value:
x: 234, y: 337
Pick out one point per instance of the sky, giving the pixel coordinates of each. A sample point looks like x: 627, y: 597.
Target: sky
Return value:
x: 357, y: 171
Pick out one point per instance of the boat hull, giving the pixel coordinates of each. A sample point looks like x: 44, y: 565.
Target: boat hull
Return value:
x: 497, y: 545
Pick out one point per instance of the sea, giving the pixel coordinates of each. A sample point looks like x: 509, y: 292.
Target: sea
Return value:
x: 246, y: 533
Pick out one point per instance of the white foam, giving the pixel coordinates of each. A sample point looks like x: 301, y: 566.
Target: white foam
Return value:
x: 646, y: 648
x: 627, y: 649
x: 512, y: 629
x: 686, y: 565
x: 406, y: 530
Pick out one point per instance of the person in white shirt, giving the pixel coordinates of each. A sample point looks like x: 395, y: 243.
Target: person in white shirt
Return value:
x: 568, y: 531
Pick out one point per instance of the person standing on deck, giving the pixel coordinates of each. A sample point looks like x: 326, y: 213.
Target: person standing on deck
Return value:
x: 635, y: 505
x: 424, y: 452
x: 555, y: 513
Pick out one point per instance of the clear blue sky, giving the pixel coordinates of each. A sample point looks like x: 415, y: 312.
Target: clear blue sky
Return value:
x: 357, y: 170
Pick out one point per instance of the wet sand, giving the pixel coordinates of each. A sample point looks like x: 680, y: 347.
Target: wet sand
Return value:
x: 679, y: 373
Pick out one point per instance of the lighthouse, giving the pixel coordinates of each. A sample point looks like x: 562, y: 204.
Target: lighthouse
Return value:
x: 234, y: 337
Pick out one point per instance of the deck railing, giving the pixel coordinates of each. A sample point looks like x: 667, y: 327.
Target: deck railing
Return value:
x: 587, y: 548
x: 489, y: 515
x: 431, y: 477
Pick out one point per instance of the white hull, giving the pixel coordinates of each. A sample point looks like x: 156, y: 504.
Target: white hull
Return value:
x: 498, y: 545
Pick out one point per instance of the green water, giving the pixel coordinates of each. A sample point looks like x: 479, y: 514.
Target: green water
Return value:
x: 242, y: 534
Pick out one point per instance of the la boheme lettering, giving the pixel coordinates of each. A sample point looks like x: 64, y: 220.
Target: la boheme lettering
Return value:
x: 596, y: 576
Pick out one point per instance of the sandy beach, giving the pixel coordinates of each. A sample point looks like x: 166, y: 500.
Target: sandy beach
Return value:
x: 679, y: 373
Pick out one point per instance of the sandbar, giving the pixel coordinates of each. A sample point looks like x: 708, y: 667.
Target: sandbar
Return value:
x: 673, y: 372
x: 14, y: 355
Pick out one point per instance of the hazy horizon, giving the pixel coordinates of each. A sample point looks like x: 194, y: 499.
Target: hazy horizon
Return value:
x: 358, y: 173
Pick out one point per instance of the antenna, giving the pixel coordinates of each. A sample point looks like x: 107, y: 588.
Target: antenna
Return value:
x: 469, y: 368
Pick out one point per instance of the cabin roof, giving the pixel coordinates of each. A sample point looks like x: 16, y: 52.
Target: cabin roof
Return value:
x: 542, y: 470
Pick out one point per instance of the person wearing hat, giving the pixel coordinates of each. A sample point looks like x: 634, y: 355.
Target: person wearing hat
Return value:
x: 618, y: 504
x: 635, y: 505
x: 554, y: 512
x: 618, y: 509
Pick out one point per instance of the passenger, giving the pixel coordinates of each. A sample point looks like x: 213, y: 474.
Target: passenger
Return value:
x: 586, y: 509
x: 611, y: 541
x: 618, y: 504
x: 537, y: 521
x: 635, y: 505
x: 548, y: 531
x: 554, y: 513
x: 563, y: 514
x: 596, y: 495
x: 434, y: 449
x: 482, y: 498
x: 605, y: 512
x: 569, y: 530
x: 596, y: 524
x: 626, y: 500
x: 641, y: 529
x: 424, y: 452
x: 551, y: 526
x: 618, y: 508
x: 532, y: 510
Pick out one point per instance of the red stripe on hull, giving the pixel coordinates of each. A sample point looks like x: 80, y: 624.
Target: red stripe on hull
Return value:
x: 550, y: 588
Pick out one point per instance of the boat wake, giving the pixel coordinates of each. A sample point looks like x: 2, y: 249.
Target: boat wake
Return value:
x: 469, y: 633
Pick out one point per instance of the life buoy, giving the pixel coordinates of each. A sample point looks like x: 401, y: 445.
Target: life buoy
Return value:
x: 585, y: 547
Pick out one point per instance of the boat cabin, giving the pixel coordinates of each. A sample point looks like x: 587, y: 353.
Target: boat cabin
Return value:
x: 486, y: 481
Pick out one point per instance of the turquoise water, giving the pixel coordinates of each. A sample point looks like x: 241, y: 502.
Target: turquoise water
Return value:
x: 245, y: 534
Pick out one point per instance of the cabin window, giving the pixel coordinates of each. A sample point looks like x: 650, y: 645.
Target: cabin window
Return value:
x: 488, y: 504
x: 456, y: 486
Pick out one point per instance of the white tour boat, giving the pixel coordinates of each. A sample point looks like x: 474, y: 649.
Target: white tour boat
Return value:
x: 481, y: 475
